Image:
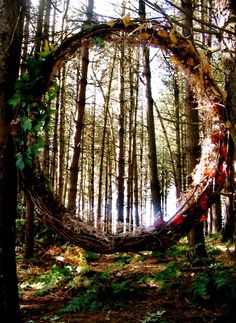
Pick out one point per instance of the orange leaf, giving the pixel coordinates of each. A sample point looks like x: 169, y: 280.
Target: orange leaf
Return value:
x: 163, y: 33
x: 143, y: 36
x: 126, y: 19
x: 191, y: 61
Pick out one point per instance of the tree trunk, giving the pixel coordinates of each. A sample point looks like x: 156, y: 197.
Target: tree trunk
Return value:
x: 103, y: 141
x: 92, y: 168
x: 228, y: 48
x: 134, y: 157
x: 152, y: 154
x: 216, y: 217
x: 74, y: 168
x: 54, y: 158
x: 39, y: 29
x: 179, y: 184
x: 29, y: 229
x: 121, y: 136
x: 62, y: 144
x: 10, y: 47
x: 196, y: 236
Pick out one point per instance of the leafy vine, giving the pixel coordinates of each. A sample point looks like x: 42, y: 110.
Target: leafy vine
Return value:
x: 32, y: 113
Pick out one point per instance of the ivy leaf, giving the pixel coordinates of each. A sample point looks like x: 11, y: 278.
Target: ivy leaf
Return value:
x: 98, y: 40
x: 26, y: 77
x: 26, y: 124
x: 32, y: 151
x: 86, y: 26
x: 51, y: 93
x: 28, y: 161
x: 15, y: 99
x: 20, y: 164
x: 19, y: 161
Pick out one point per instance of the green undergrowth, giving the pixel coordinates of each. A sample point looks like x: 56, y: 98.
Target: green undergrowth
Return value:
x: 214, y: 283
x: 92, y: 282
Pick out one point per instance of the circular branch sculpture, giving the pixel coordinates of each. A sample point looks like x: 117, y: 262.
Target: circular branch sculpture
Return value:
x: 209, y: 175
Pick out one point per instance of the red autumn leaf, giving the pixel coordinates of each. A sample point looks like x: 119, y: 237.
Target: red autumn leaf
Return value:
x: 223, y: 169
x: 215, y: 138
x: 220, y: 180
x: 224, y: 151
x: 178, y: 219
x: 203, y: 202
x: 203, y: 218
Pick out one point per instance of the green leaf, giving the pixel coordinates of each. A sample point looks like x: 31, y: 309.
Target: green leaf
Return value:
x: 19, y: 155
x: 86, y: 26
x: 19, y: 161
x: 40, y: 142
x: 26, y: 124
x: 98, y: 40
x: 15, y: 99
x: 26, y: 76
x: 20, y: 164
x: 51, y: 93
x: 28, y: 161
x: 32, y: 151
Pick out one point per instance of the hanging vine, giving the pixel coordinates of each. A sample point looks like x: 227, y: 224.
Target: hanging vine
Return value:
x: 32, y: 113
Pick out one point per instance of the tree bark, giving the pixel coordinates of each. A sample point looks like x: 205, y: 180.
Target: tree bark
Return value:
x: 104, y: 138
x: 11, y: 26
x: 74, y: 168
x: 29, y: 229
x: 178, y: 181
x: 62, y: 143
x: 121, y: 136
x: 196, y: 236
x: 152, y: 154
x: 228, y: 49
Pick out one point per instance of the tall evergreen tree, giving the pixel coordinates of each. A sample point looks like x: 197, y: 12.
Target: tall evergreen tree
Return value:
x: 11, y: 26
x: 152, y: 153
x: 81, y: 102
x: 196, y: 237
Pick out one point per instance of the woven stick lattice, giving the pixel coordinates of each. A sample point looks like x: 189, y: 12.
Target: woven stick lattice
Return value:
x: 209, y: 175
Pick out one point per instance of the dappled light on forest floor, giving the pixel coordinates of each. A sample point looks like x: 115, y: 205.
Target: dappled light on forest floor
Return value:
x: 67, y: 284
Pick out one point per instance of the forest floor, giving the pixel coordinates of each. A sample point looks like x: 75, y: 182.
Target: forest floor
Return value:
x: 66, y: 284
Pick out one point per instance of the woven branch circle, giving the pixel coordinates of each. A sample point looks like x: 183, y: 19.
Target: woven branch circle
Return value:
x: 210, y: 173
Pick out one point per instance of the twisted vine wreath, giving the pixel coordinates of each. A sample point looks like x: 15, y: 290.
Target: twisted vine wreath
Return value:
x: 208, y: 177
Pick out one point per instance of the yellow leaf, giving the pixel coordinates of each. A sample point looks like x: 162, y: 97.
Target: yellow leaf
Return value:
x: 111, y: 23
x: 228, y: 124
x: 173, y: 37
x: 46, y: 46
x: 126, y: 19
x: 143, y: 36
x: 216, y: 91
x: 224, y: 94
x: 175, y: 60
